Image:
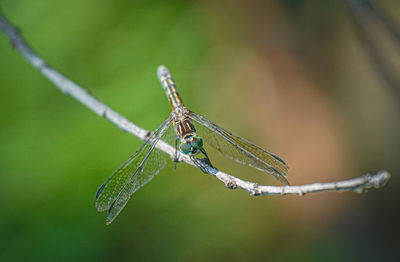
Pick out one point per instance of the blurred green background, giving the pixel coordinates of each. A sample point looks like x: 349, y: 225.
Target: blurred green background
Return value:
x: 293, y: 76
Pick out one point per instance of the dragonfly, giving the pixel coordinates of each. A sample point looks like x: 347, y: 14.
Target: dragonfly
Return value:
x: 192, y: 131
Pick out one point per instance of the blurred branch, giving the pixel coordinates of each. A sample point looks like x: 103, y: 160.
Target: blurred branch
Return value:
x: 363, y: 13
x: 83, y: 96
x: 385, y: 19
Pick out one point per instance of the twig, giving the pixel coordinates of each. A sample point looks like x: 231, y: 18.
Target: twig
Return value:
x: 82, y: 95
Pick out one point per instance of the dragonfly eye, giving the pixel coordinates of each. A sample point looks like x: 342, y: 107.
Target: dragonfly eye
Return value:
x: 196, y: 142
x: 185, y: 147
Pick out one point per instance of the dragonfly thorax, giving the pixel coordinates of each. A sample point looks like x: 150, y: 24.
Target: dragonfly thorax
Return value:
x: 191, y: 145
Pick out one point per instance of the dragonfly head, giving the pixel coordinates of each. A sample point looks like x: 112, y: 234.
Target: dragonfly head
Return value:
x: 191, y: 145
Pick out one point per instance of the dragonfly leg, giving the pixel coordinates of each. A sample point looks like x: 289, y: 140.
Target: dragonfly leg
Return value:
x: 198, y: 164
x: 202, y: 163
x: 206, y: 159
x: 176, y: 160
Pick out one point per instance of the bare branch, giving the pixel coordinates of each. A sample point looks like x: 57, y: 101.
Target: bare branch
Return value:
x: 358, y: 185
x: 83, y: 96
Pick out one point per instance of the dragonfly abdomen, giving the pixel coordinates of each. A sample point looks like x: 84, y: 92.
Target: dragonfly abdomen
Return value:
x: 169, y: 86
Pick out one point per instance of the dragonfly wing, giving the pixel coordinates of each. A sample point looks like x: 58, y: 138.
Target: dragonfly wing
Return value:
x: 240, y: 149
x: 135, y: 172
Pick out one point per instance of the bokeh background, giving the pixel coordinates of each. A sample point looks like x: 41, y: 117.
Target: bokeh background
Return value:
x: 316, y: 82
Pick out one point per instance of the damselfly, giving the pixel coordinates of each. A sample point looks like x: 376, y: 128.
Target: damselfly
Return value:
x: 191, y: 130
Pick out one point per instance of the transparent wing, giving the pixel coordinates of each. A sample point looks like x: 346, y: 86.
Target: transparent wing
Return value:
x: 240, y: 149
x: 135, y: 172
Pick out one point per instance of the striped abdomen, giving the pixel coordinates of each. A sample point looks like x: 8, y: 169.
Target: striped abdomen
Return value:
x: 168, y: 84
